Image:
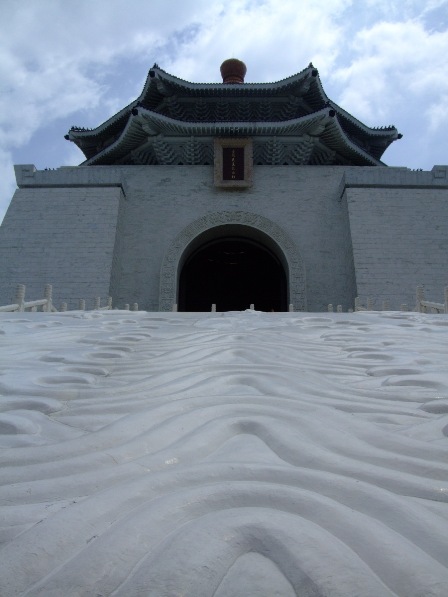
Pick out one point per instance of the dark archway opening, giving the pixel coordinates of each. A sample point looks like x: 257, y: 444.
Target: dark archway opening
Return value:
x: 232, y: 273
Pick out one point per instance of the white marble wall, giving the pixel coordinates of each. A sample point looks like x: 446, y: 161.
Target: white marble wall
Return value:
x: 99, y: 230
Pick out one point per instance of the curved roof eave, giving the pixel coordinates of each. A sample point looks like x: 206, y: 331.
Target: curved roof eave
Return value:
x: 389, y: 131
x: 132, y: 130
x: 134, y: 133
x: 78, y: 135
x: 351, y: 148
x: 164, y: 124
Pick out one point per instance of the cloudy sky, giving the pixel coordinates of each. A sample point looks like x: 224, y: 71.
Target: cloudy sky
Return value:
x: 77, y: 62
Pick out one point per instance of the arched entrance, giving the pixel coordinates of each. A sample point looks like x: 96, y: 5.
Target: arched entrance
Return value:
x: 215, y: 226
x: 232, y: 273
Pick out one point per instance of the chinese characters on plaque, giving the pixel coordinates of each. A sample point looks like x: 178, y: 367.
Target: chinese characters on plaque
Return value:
x: 233, y: 163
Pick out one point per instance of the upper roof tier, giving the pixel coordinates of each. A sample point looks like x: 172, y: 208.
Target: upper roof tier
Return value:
x: 174, y: 122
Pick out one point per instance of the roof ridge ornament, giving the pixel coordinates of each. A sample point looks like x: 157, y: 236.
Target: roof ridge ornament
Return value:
x: 233, y: 71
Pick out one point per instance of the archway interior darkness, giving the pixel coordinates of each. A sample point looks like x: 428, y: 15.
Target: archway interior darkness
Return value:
x: 232, y: 273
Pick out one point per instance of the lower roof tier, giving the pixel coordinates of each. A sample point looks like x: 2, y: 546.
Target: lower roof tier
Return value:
x: 151, y: 138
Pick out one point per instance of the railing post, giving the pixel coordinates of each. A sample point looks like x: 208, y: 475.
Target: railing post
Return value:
x: 330, y: 308
x: 420, y: 296
x: 20, y: 296
x: 82, y: 305
x: 97, y: 303
x: 446, y: 299
x: 48, y: 295
x: 252, y: 307
x: 174, y: 308
x: 357, y: 303
x: 126, y: 307
x: 291, y: 308
x: 135, y: 307
x: 339, y: 308
x: 63, y: 307
x: 109, y: 303
x: 213, y: 308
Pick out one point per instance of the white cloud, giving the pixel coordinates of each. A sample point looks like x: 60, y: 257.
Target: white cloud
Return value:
x: 437, y: 113
x: 57, y: 58
x: 274, y: 42
x: 395, y: 66
x: 72, y: 155
x: 432, y: 5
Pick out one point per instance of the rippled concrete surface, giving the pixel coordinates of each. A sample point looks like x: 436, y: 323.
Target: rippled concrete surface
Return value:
x: 223, y: 455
